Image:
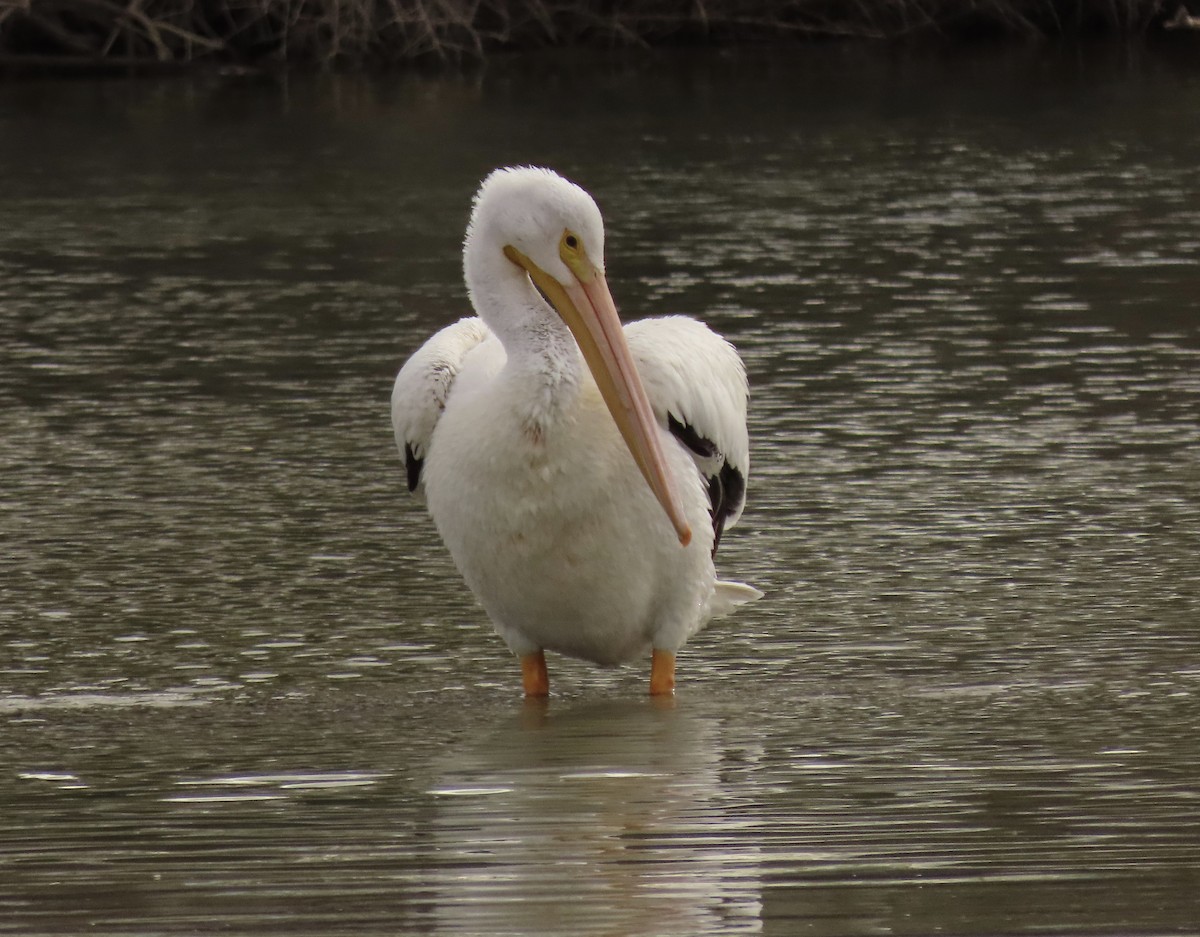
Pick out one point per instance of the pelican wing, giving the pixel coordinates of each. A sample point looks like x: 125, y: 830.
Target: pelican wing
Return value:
x: 697, y: 385
x: 422, y: 387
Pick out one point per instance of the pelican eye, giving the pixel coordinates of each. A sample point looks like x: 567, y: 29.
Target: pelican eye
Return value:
x: 572, y: 253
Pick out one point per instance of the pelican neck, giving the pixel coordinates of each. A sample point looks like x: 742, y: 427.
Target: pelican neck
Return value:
x: 542, y: 355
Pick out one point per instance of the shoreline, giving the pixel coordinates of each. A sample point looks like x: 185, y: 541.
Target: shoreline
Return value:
x: 83, y: 37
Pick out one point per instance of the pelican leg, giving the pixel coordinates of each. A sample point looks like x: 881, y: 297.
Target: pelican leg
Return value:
x: 662, y: 672
x: 533, y: 674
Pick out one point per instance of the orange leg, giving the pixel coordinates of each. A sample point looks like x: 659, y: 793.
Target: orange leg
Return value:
x: 662, y: 672
x: 533, y: 673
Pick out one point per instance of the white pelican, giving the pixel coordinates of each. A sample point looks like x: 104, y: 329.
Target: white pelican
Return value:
x: 580, y: 473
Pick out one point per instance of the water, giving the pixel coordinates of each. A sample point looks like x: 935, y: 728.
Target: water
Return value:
x: 244, y: 691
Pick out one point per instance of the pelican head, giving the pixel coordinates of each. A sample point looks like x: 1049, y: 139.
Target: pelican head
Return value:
x: 537, y: 213
x: 551, y: 231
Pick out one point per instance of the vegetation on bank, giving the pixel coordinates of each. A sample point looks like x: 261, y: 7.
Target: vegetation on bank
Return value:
x: 357, y: 33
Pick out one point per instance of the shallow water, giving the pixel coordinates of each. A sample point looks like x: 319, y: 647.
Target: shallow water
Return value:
x: 243, y: 690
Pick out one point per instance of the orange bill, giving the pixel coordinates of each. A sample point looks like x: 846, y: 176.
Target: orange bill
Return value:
x: 587, y: 307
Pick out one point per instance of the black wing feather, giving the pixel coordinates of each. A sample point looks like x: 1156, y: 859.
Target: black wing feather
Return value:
x: 726, y: 488
x: 686, y: 434
x: 412, y: 466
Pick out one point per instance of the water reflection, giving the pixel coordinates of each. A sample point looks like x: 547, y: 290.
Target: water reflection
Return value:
x: 605, y: 818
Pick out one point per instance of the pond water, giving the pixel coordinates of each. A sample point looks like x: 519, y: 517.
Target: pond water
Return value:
x: 243, y: 690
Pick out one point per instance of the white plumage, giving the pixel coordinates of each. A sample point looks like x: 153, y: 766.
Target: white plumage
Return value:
x: 579, y: 473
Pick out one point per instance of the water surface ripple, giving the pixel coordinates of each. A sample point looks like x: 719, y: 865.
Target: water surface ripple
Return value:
x: 242, y: 689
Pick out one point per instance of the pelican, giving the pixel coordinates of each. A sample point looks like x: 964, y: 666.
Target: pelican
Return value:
x: 581, y: 473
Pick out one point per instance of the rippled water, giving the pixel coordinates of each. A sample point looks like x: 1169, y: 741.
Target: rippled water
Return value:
x: 243, y: 690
